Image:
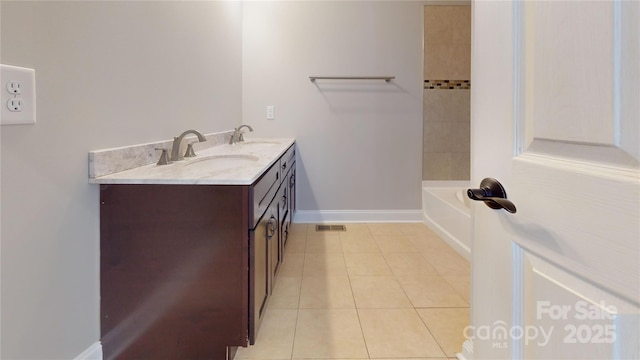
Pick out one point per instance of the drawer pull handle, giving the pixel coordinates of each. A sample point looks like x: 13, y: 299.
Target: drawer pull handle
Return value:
x: 271, y: 227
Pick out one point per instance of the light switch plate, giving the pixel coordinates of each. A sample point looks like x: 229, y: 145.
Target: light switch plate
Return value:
x: 23, y: 79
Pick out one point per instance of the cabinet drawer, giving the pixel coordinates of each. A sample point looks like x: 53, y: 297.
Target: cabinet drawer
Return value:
x: 287, y: 159
x: 262, y: 192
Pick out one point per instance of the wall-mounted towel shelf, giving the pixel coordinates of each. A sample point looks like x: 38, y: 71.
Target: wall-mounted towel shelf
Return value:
x: 385, y: 78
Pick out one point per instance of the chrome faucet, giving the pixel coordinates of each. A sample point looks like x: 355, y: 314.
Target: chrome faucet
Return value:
x: 175, y: 148
x: 237, y: 135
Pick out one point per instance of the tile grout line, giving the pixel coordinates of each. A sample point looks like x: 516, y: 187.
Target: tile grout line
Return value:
x: 295, y: 329
x: 364, y: 338
x: 445, y: 277
x: 350, y: 278
x: 431, y: 333
x: 415, y: 309
x: 412, y: 303
x: 398, y: 280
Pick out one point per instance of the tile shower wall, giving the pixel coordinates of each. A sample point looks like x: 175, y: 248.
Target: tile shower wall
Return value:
x: 446, y: 101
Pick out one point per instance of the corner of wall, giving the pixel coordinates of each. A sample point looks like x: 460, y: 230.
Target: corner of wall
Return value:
x: 93, y: 352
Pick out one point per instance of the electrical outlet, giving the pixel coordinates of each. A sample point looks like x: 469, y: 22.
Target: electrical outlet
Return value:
x: 13, y: 87
x: 15, y: 104
x: 271, y: 112
x: 18, y: 100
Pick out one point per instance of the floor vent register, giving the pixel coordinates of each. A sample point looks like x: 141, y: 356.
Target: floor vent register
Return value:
x: 331, y: 228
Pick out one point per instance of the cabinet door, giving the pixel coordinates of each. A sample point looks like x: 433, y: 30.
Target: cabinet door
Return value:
x: 173, y: 279
x: 259, y: 275
x: 283, y: 215
x: 285, y: 221
x: 292, y: 190
x: 273, y: 243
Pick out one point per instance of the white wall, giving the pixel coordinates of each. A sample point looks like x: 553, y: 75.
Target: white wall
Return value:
x: 360, y: 143
x: 107, y: 74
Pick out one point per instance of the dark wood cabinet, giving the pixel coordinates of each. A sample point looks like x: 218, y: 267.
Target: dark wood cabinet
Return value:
x: 274, y: 242
x: 186, y: 270
x: 259, y: 274
x: 262, y: 266
x: 173, y: 279
x: 288, y: 199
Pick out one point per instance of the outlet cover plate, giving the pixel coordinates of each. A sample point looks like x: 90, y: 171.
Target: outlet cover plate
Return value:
x: 27, y: 79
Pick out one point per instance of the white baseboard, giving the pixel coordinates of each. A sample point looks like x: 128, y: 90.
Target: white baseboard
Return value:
x: 93, y: 352
x: 356, y: 216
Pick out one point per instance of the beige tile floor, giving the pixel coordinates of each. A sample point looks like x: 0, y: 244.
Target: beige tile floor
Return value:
x: 376, y: 291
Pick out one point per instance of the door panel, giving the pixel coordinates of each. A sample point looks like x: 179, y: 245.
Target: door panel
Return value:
x: 578, y: 220
x: 565, y: 146
x: 571, y: 99
x: 575, y: 178
x: 570, y: 318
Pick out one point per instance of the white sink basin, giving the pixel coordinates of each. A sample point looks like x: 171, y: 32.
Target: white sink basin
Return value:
x: 223, y: 161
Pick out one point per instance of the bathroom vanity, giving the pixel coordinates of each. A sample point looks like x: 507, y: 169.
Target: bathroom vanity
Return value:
x: 189, y: 255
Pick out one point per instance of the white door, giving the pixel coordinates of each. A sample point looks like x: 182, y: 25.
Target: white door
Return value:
x: 556, y: 119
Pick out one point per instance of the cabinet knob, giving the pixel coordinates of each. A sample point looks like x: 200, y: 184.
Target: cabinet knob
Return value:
x: 271, y: 227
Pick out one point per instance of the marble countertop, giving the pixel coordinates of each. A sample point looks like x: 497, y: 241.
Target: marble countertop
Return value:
x: 237, y: 164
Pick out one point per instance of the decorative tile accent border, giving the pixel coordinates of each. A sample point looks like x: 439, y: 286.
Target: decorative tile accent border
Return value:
x: 447, y: 84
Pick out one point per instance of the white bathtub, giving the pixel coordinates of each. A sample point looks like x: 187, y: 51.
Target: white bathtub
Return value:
x: 446, y: 211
